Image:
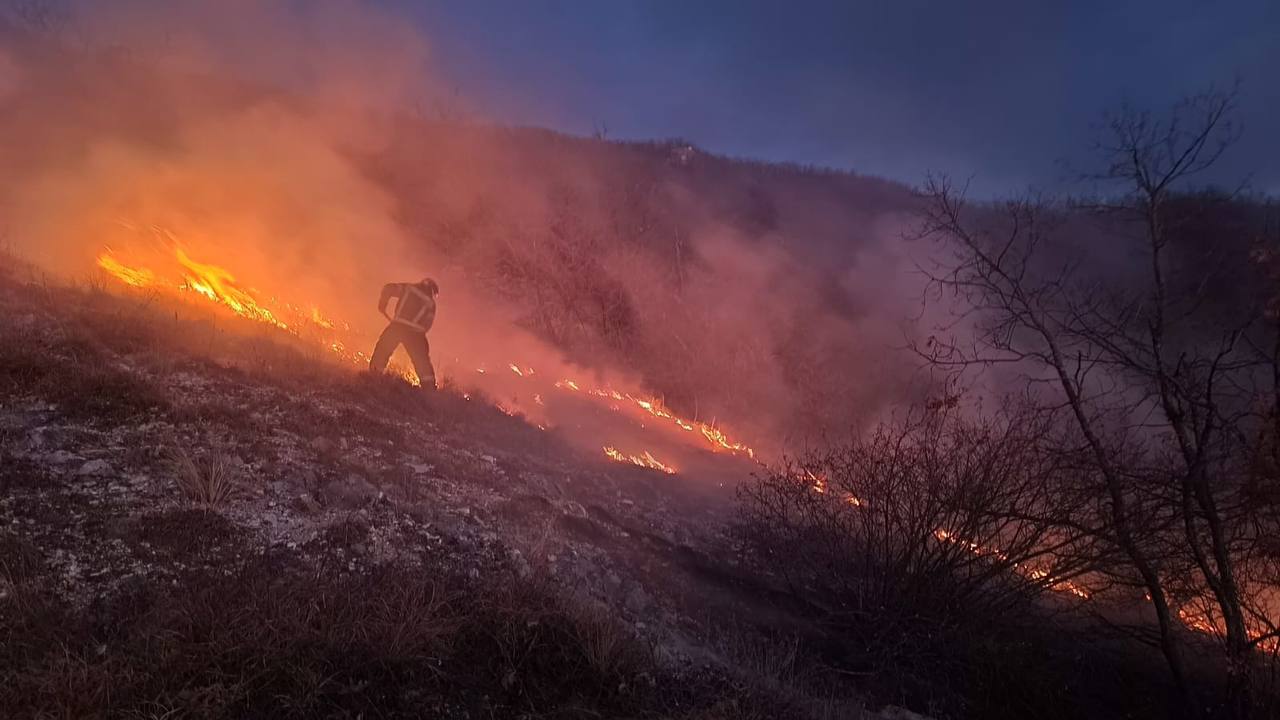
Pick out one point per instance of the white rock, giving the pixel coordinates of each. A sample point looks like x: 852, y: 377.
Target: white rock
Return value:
x: 94, y: 468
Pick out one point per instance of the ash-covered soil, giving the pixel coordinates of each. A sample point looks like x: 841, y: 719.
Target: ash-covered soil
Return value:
x: 382, y: 553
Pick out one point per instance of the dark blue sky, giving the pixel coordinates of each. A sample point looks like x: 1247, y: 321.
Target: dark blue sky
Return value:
x: 1000, y: 90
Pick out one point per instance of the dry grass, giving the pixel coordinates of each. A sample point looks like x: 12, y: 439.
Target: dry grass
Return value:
x: 608, y: 646
x: 774, y: 661
x: 209, y: 481
x: 256, y: 639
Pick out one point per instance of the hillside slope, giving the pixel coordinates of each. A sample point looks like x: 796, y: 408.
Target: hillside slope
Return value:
x: 377, y: 553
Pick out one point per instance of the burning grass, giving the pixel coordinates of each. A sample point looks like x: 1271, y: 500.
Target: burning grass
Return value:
x: 644, y: 460
x: 218, y: 285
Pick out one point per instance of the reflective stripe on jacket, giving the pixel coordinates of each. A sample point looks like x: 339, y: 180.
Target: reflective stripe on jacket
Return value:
x: 415, y: 307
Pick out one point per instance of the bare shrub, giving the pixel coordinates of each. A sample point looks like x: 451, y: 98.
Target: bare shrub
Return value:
x: 918, y: 544
x: 930, y: 516
x: 209, y: 481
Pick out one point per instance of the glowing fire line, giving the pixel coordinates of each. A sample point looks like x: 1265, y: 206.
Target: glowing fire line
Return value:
x: 718, y: 440
x: 646, y: 460
x: 817, y: 482
x: 218, y: 285
x: 136, y: 277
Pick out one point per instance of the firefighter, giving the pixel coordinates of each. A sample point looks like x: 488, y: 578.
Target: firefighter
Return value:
x: 415, y: 312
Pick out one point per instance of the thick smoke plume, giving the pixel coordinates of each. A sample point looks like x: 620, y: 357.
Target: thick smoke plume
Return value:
x: 313, y: 150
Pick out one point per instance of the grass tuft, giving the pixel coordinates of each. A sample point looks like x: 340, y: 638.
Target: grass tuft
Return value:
x: 209, y: 481
x: 606, y: 644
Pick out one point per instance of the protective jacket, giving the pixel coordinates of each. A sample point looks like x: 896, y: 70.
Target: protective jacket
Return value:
x: 415, y: 308
x: 415, y: 313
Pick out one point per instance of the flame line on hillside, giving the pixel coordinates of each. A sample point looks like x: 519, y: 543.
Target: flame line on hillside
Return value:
x: 716, y: 437
x: 646, y: 460
x: 218, y: 285
x: 818, y: 483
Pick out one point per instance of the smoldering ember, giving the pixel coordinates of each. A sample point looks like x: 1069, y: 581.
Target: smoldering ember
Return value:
x: 706, y: 361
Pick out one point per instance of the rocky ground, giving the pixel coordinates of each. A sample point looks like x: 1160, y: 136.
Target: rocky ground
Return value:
x: 130, y: 587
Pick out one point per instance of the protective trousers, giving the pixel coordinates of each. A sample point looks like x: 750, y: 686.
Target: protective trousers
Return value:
x: 415, y: 344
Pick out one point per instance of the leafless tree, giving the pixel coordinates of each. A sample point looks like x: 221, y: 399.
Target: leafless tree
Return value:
x: 1167, y: 397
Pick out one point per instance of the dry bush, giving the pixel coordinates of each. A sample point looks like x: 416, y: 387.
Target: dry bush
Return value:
x: 83, y: 387
x: 209, y: 481
x: 913, y: 550
x: 21, y: 568
x: 929, y: 517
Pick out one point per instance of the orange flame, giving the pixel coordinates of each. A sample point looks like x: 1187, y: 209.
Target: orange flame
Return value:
x: 321, y: 320
x: 137, y: 277
x: 719, y: 441
x: 219, y: 285
x: 646, y: 460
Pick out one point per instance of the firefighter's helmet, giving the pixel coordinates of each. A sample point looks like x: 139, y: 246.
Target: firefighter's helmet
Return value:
x: 430, y: 284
